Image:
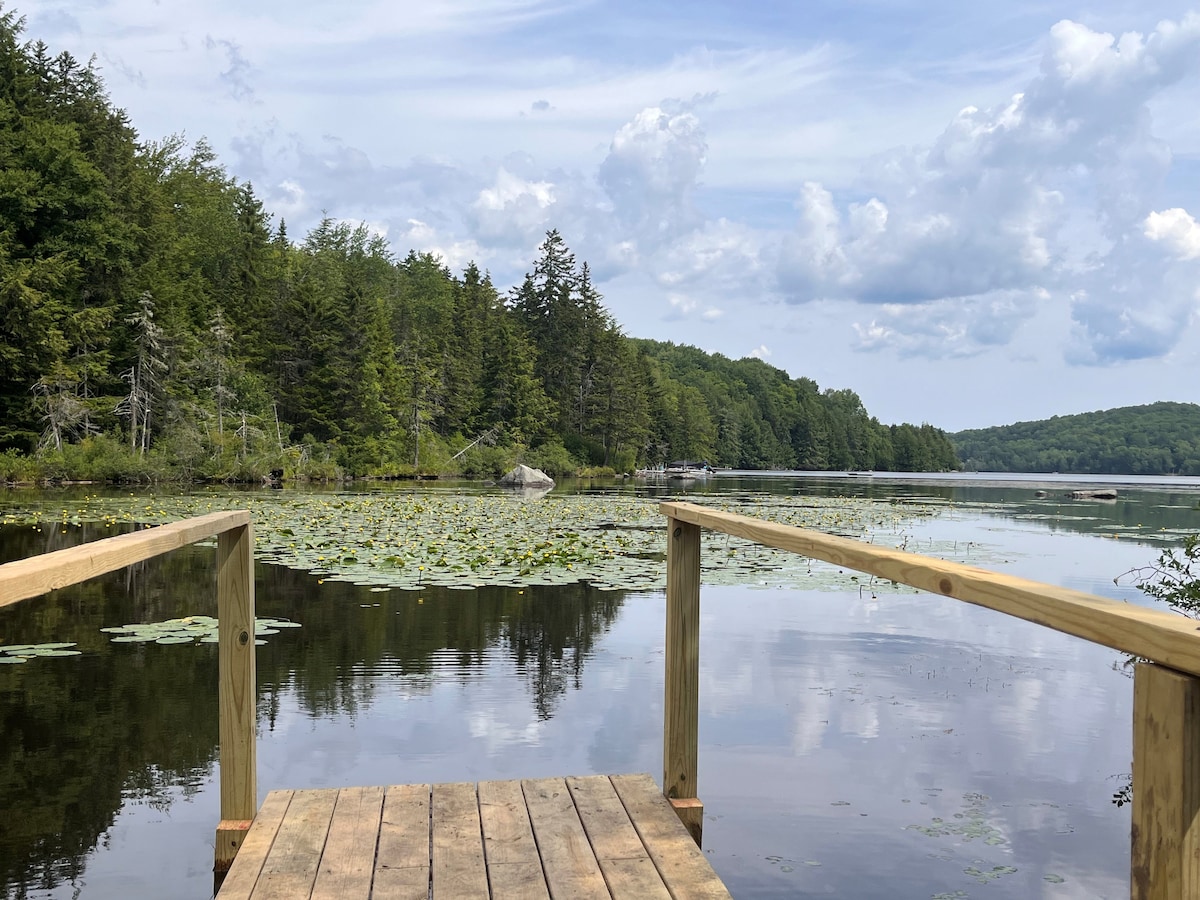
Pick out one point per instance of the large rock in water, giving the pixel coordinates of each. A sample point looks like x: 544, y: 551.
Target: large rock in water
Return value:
x: 524, y: 476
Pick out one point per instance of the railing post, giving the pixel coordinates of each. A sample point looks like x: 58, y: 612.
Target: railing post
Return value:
x: 237, y: 690
x: 1166, y: 785
x: 681, y: 704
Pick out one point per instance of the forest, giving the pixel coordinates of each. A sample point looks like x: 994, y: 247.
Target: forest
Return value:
x: 1157, y: 439
x: 156, y: 322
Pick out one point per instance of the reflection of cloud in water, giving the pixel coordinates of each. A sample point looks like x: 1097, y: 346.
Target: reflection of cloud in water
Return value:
x: 498, y: 732
x: 864, y: 717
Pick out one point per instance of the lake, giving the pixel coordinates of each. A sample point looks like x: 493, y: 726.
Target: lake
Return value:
x: 856, y: 740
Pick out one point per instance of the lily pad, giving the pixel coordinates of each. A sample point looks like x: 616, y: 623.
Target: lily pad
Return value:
x: 187, y: 630
x: 18, y: 653
x: 409, y: 540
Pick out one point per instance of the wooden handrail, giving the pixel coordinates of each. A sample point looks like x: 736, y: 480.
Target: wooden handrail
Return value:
x: 1165, y: 859
x: 1153, y: 634
x: 38, y: 575
x: 26, y: 578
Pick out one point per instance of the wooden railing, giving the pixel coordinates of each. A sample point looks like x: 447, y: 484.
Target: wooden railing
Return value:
x: 1166, y: 688
x: 32, y: 577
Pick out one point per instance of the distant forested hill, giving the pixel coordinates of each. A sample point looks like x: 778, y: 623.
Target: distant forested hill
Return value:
x: 751, y: 415
x: 1159, y: 439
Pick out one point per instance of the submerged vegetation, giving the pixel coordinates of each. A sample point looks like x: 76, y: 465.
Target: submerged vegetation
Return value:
x: 156, y: 323
x: 443, y: 538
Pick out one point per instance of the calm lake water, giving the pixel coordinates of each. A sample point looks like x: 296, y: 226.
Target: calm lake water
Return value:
x: 851, y: 745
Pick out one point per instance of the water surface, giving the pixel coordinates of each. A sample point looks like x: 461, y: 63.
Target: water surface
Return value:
x: 853, y: 743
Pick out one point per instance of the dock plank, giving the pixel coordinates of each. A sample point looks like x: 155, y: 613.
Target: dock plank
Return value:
x: 348, y: 860
x: 291, y: 866
x: 248, y: 864
x: 578, y: 838
x: 635, y: 879
x: 458, y: 864
x: 627, y: 867
x: 513, y: 865
x: 679, y: 861
x: 605, y: 818
x: 403, y: 856
x: 567, y: 858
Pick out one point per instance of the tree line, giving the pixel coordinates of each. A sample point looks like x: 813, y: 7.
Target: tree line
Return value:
x: 156, y: 322
x: 1157, y: 439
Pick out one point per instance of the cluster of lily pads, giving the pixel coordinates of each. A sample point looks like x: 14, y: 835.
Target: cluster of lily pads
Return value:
x: 968, y: 825
x: 188, y: 630
x: 19, y: 653
x: 454, y: 539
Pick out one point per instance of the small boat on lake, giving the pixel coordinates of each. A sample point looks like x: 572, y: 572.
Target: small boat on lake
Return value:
x: 687, y: 470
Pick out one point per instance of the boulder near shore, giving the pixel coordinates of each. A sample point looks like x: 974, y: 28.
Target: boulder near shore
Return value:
x: 524, y: 476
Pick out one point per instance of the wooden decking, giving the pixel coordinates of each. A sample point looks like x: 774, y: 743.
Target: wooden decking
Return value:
x: 599, y: 836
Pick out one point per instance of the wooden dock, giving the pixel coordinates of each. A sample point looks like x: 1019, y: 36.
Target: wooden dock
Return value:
x: 592, y: 837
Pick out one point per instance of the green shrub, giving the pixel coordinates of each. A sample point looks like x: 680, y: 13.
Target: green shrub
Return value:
x: 552, y: 458
x: 17, y: 468
x: 486, y: 462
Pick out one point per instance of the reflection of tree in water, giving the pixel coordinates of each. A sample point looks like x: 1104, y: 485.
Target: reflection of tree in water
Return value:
x: 552, y: 634
x: 135, y: 723
x: 81, y: 735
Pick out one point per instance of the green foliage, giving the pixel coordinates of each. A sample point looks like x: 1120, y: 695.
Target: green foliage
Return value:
x: 750, y: 415
x: 147, y: 300
x: 483, y: 461
x: 1172, y: 578
x: 1158, y: 439
x: 17, y: 468
x: 552, y: 458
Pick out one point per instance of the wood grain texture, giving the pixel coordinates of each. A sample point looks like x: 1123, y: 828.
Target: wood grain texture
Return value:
x: 680, y: 863
x: 255, y: 846
x: 566, y: 839
x: 403, y: 854
x: 567, y: 858
x: 691, y: 813
x: 458, y: 864
x: 513, y: 865
x: 507, y: 834
x: 681, y: 691
x: 237, y: 688
x: 604, y: 818
x: 517, y: 881
x: 1164, y: 637
x: 634, y: 879
x: 37, y: 575
x: 348, y: 860
x: 230, y: 835
x: 291, y: 866
x: 1165, y: 859
x: 627, y: 867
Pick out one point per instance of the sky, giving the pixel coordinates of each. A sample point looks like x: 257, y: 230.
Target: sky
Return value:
x: 970, y: 213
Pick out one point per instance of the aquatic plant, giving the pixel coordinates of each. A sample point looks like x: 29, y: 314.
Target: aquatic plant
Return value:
x: 188, y: 630
x: 454, y: 539
x: 19, y: 653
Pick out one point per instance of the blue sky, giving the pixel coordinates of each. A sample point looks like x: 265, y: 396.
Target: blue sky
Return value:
x: 971, y: 214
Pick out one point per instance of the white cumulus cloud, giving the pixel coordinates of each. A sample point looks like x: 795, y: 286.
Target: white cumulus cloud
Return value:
x: 1177, y: 229
x: 651, y: 172
x: 1049, y: 194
